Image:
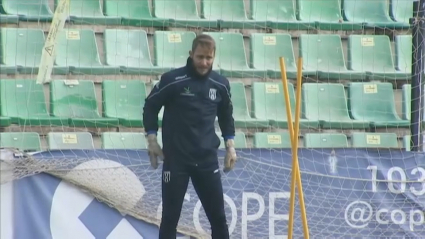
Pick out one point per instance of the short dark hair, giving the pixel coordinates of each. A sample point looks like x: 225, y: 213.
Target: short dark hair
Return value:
x: 204, y: 40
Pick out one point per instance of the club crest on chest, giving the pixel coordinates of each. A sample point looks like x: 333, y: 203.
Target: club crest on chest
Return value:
x: 213, y: 93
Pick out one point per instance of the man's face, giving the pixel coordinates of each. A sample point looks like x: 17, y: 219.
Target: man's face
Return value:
x: 203, y: 58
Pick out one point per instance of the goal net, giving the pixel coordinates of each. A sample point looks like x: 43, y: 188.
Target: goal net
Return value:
x: 84, y: 126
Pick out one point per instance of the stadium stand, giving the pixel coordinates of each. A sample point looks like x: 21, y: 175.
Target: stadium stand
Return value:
x: 266, y: 48
x: 123, y: 140
x: 76, y: 100
x: 133, y: 13
x: 123, y: 100
x: 230, y: 58
x: 272, y: 140
x: 373, y: 54
x: 374, y: 140
x: 371, y: 13
x: 326, y: 15
x: 113, y: 51
x: 182, y: 13
x: 241, y: 113
x: 70, y: 140
x: 326, y: 103
x: 406, y: 101
x: 4, y: 121
x: 323, y: 55
x: 9, y: 19
x: 72, y: 44
x: 403, y: 53
x: 325, y: 140
x: 374, y: 102
x: 89, y: 12
x: 24, y: 141
x: 21, y: 50
x: 171, y: 48
x: 268, y: 104
x: 35, y: 10
x: 128, y: 50
x: 24, y: 102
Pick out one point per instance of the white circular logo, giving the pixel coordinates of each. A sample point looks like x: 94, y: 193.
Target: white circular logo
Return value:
x: 103, y: 177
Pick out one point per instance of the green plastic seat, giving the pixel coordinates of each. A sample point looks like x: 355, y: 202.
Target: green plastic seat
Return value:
x: 268, y: 103
x: 133, y: 13
x: 407, y: 142
x: 24, y: 141
x: 161, y: 111
x: 124, y: 100
x: 229, y: 14
x: 374, y: 140
x: 241, y: 113
x: 89, y: 12
x: 129, y: 50
x: 374, y: 14
x: 5, y: 121
x: 9, y: 19
x: 327, y: 104
x: 325, y: 140
x: 76, y: 100
x: 325, y: 14
x: 406, y: 97
x: 172, y: 48
x: 240, y: 140
x: 160, y: 116
x: 11, y: 70
x: 373, y: 54
x: 272, y: 140
x: 70, y: 140
x: 123, y: 140
x: 28, y: 10
x: 77, y: 50
x: 403, y: 53
x: 279, y: 14
x: 21, y: 50
x: 230, y: 58
x: 324, y: 53
x: 374, y: 102
x: 24, y: 102
x: 183, y: 13
x: 401, y: 11
x: 265, y: 52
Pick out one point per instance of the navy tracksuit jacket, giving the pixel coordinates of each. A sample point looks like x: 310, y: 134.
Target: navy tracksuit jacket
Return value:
x: 191, y: 103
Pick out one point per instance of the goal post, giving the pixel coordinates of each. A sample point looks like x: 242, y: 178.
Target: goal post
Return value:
x: 418, y: 69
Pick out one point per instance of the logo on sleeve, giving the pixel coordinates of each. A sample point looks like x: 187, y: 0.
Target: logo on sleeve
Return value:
x: 213, y: 94
x: 186, y: 92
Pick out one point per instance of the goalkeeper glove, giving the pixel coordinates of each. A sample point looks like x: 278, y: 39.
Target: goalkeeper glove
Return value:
x: 154, y: 150
x: 230, y: 158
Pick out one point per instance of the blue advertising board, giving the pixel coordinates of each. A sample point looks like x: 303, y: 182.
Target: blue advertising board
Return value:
x: 349, y: 193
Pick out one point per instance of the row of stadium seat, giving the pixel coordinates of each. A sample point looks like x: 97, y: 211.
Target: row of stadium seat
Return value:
x: 127, y: 52
x: 324, y: 105
x: 276, y: 14
x: 31, y: 141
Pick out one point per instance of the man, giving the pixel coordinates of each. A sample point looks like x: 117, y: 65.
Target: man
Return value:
x: 192, y: 96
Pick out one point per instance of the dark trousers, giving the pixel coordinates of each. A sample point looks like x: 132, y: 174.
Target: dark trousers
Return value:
x: 207, y: 183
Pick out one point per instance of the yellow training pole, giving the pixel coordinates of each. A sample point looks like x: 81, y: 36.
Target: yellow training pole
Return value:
x: 295, y: 166
x: 296, y: 175
x: 293, y: 144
